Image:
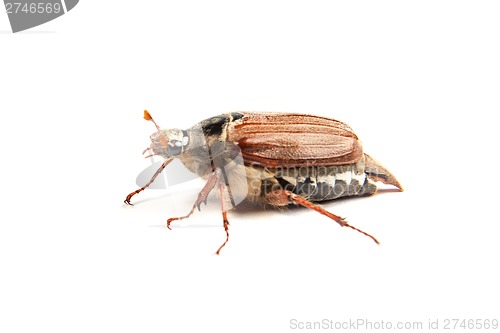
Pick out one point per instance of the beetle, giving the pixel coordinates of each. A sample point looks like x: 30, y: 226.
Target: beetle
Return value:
x: 273, y: 159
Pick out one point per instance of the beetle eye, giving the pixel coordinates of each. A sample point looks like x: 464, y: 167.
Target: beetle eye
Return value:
x: 175, y: 149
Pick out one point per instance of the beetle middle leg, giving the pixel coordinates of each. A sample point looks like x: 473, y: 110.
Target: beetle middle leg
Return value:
x: 224, y: 216
x: 202, y: 196
x: 214, y: 180
x: 284, y: 197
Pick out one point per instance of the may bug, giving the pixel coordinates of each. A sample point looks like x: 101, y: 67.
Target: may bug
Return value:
x: 274, y: 159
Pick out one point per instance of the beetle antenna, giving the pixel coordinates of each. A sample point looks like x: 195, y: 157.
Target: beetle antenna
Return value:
x: 147, y: 116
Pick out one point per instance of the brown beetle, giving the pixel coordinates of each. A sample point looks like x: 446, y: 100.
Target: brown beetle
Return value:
x: 274, y: 159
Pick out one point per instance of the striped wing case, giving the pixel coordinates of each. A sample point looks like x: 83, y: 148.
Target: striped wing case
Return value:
x: 290, y: 140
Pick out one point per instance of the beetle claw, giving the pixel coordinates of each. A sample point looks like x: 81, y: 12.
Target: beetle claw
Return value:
x: 170, y: 221
x: 127, y: 200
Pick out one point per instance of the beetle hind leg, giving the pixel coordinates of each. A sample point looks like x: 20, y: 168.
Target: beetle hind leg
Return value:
x: 284, y: 197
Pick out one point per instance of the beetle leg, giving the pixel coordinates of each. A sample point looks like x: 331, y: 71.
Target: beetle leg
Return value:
x: 160, y: 169
x: 202, y: 196
x: 284, y: 197
x: 224, y: 215
x: 214, y: 180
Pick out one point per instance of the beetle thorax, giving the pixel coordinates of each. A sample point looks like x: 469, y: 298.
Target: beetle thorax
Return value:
x: 196, y: 155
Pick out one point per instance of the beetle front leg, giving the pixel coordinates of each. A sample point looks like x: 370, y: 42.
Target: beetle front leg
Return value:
x: 160, y: 169
x: 284, y: 197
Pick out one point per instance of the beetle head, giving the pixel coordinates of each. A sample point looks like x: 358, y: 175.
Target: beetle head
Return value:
x: 169, y: 143
x: 166, y: 143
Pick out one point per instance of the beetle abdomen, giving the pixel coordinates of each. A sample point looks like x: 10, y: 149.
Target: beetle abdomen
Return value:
x: 320, y: 183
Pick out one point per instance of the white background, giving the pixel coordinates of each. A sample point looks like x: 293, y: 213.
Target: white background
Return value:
x: 418, y: 81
